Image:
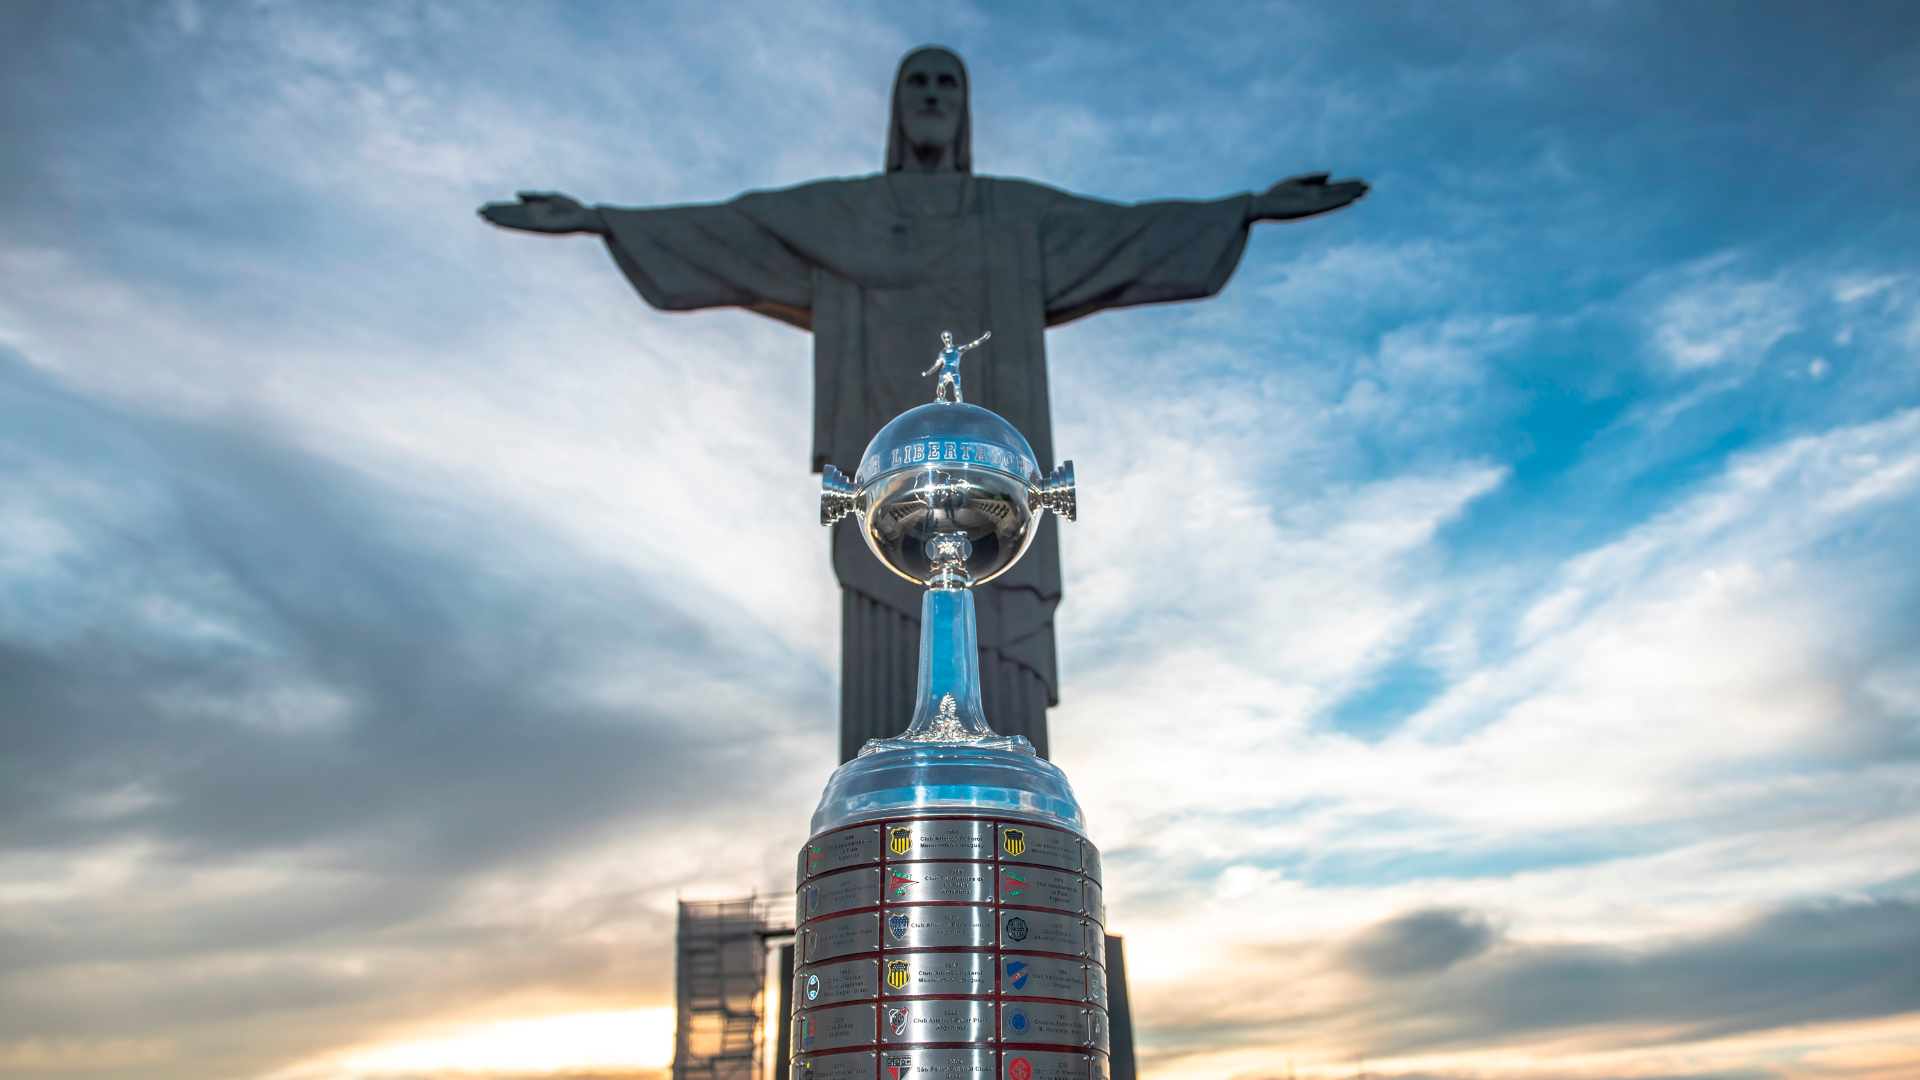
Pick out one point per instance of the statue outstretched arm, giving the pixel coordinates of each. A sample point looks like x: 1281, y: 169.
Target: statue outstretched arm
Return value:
x: 681, y: 258
x: 1304, y: 196
x: 545, y: 212
x: 1100, y: 255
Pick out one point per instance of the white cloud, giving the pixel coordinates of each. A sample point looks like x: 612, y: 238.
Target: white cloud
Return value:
x: 1667, y: 704
x: 1718, y: 317
x: 1448, y: 351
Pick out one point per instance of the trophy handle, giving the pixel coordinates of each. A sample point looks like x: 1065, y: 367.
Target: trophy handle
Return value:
x: 836, y: 495
x: 1057, y: 494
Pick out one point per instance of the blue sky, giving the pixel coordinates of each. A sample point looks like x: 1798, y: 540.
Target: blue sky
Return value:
x: 1490, y: 644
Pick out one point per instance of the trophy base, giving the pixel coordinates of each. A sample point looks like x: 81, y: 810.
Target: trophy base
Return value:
x: 999, y: 776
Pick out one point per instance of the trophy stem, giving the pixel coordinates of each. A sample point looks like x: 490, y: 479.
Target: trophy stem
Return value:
x: 947, y: 700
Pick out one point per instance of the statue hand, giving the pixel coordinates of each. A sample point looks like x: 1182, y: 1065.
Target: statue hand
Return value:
x: 543, y: 211
x: 1304, y: 196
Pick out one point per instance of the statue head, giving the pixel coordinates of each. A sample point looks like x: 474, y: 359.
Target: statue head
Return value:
x: 931, y: 125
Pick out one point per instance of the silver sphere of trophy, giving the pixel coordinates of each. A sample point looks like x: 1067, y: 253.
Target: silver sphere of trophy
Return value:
x: 947, y: 494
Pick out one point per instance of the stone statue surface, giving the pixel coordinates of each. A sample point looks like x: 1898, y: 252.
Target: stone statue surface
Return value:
x: 876, y: 267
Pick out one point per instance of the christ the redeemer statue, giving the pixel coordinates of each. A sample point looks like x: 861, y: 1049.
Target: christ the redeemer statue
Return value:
x: 876, y: 267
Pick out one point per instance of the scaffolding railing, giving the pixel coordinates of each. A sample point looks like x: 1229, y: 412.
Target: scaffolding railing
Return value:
x: 720, y: 975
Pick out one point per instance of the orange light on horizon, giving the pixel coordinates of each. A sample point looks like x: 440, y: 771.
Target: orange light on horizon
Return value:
x: 589, y: 1043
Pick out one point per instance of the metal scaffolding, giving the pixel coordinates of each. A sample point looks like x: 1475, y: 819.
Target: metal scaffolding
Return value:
x: 720, y: 975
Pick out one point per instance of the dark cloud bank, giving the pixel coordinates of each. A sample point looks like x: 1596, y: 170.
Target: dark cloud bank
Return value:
x: 1447, y: 979
x: 455, y: 730
x: 237, y: 656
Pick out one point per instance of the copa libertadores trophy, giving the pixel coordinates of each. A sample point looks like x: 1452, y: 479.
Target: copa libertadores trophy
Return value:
x: 949, y: 910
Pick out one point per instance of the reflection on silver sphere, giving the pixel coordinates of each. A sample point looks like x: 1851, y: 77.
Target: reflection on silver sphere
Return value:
x: 903, y: 511
x: 947, y: 468
x: 947, y: 494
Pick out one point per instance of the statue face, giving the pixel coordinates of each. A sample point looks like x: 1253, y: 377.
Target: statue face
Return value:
x: 932, y: 96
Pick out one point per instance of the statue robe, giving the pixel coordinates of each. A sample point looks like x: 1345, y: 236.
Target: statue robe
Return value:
x: 876, y: 274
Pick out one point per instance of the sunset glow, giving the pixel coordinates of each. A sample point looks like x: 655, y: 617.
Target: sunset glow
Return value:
x: 622, y: 1043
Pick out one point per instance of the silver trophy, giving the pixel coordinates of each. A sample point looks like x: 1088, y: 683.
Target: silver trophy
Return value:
x: 947, y: 494
x: 949, y: 905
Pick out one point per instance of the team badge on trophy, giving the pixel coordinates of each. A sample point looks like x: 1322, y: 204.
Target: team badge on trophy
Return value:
x: 900, y: 881
x: 813, y: 987
x: 1016, y: 929
x: 1017, y: 1022
x: 898, y: 1067
x: 897, y: 925
x: 898, y: 974
x: 1013, y: 886
x: 1016, y: 975
x: 1014, y: 841
x: 900, y: 840
x: 897, y: 1021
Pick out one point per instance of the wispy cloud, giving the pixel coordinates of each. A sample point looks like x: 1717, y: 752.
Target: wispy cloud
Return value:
x: 1714, y: 317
